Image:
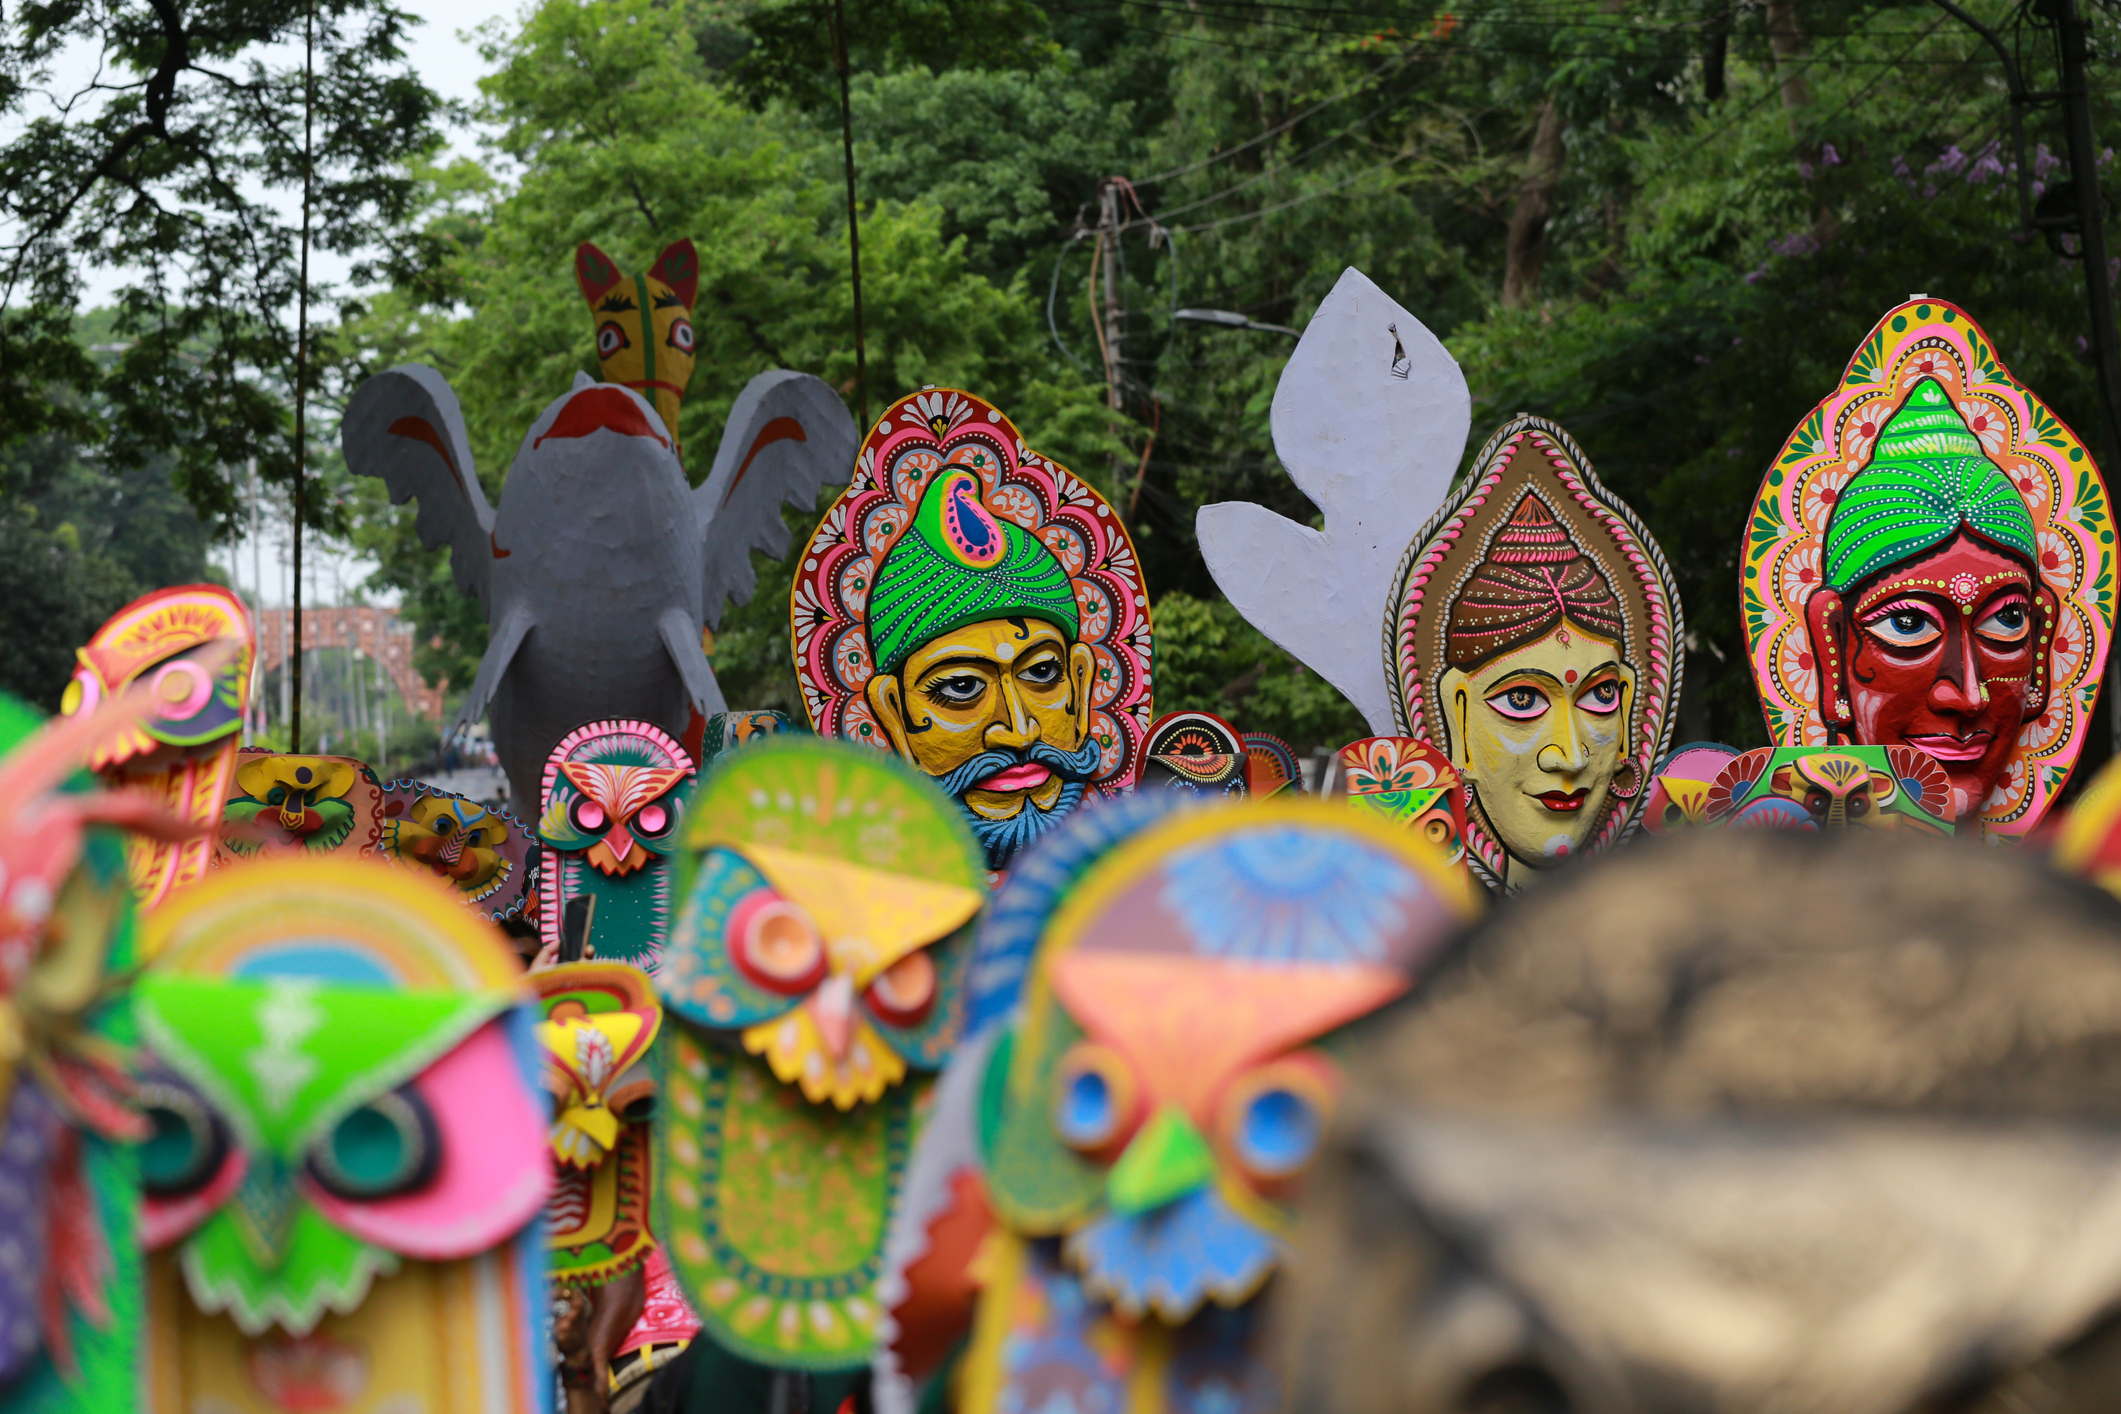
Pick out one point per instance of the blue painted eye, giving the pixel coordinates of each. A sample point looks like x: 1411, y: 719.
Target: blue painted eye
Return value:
x: 1278, y: 1133
x: 188, y: 1145
x: 1273, y: 1119
x: 1094, y: 1099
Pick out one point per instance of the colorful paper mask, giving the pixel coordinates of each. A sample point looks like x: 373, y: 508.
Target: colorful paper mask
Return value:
x: 481, y: 853
x: 1830, y: 788
x: 184, y: 754
x: 1197, y: 752
x: 301, y: 805
x: 1147, y: 1117
x: 963, y: 581
x: 727, y: 731
x: 349, y: 1148
x: 600, y: 545
x: 1930, y: 564
x: 1533, y: 641
x: 644, y: 323
x: 611, y: 807
x: 1409, y: 781
x: 70, y: 1285
x: 1271, y: 766
x: 1528, y: 628
x: 814, y: 983
x: 1679, y: 790
x: 600, y: 1020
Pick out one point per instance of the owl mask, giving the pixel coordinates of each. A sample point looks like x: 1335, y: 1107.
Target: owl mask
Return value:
x: 349, y: 1148
x: 303, y: 804
x: 1145, y: 1120
x: 183, y: 752
x: 600, y: 1020
x: 815, y: 981
x: 1406, y: 779
x: 481, y: 853
x: 611, y: 810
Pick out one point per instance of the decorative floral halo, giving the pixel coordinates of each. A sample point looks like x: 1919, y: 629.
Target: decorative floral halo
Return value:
x: 916, y: 438
x: 2052, y: 470
x: 1532, y: 454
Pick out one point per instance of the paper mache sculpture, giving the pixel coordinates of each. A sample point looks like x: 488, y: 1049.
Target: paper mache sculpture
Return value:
x: 1528, y: 626
x: 1535, y: 635
x: 1197, y: 752
x: 1666, y: 1159
x: 349, y: 1151
x: 1930, y: 564
x: 70, y: 1300
x: 1145, y: 1117
x: 601, y: 567
x: 184, y: 753
x: 1679, y: 786
x: 1271, y: 766
x: 972, y: 606
x: 481, y: 852
x: 1410, y: 781
x: 610, y: 810
x: 601, y: 1018
x: 644, y: 324
x: 728, y: 731
x: 300, y: 805
x: 1811, y: 788
x: 813, y: 985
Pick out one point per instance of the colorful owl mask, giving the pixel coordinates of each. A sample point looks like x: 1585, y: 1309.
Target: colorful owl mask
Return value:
x: 611, y: 808
x: 1841, y: 788
x: 183, y: 753
x: 815, y: 978
x: 481, y: 853
x: 600, y: 1020
x: 301, y: 804
x: 349, y: 1147
x: 1146, y: 1118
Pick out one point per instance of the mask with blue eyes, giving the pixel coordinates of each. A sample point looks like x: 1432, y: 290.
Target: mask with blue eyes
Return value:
x: 1140, y: 1127
x: 348, y: 1147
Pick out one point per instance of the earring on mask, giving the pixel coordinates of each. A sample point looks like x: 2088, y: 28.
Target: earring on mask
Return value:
x: 1631, y: 786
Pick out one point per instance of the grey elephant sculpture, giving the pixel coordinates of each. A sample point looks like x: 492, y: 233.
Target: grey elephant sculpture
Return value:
x: 601, y: 565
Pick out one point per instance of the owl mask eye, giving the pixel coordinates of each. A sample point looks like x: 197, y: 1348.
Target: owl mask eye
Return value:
x: 775, y: 944
x: 1272, y: 1120
x: 188, y: 1143
x: 386, y: 1148
x: 1097, y: 1102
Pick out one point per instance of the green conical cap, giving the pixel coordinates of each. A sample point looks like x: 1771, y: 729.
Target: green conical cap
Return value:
x: 959, y: 564
x: 1927, y: 477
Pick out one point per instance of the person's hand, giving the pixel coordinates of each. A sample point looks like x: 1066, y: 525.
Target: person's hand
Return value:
x: 548, y: 956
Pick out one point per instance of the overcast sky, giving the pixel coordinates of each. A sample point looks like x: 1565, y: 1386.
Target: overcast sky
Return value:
x: 452, y: 67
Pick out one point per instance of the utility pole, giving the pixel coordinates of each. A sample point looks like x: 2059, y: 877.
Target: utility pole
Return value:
x: 309, y: 115
x: 1114, y: 316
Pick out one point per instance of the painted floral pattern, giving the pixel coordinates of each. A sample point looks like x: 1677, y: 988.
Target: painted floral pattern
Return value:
x: 914, y: 439
x: 2046, y: 461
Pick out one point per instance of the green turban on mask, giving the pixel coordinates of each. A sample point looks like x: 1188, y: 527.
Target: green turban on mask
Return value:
x: 960, y: 564
x: 1927, y: 477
